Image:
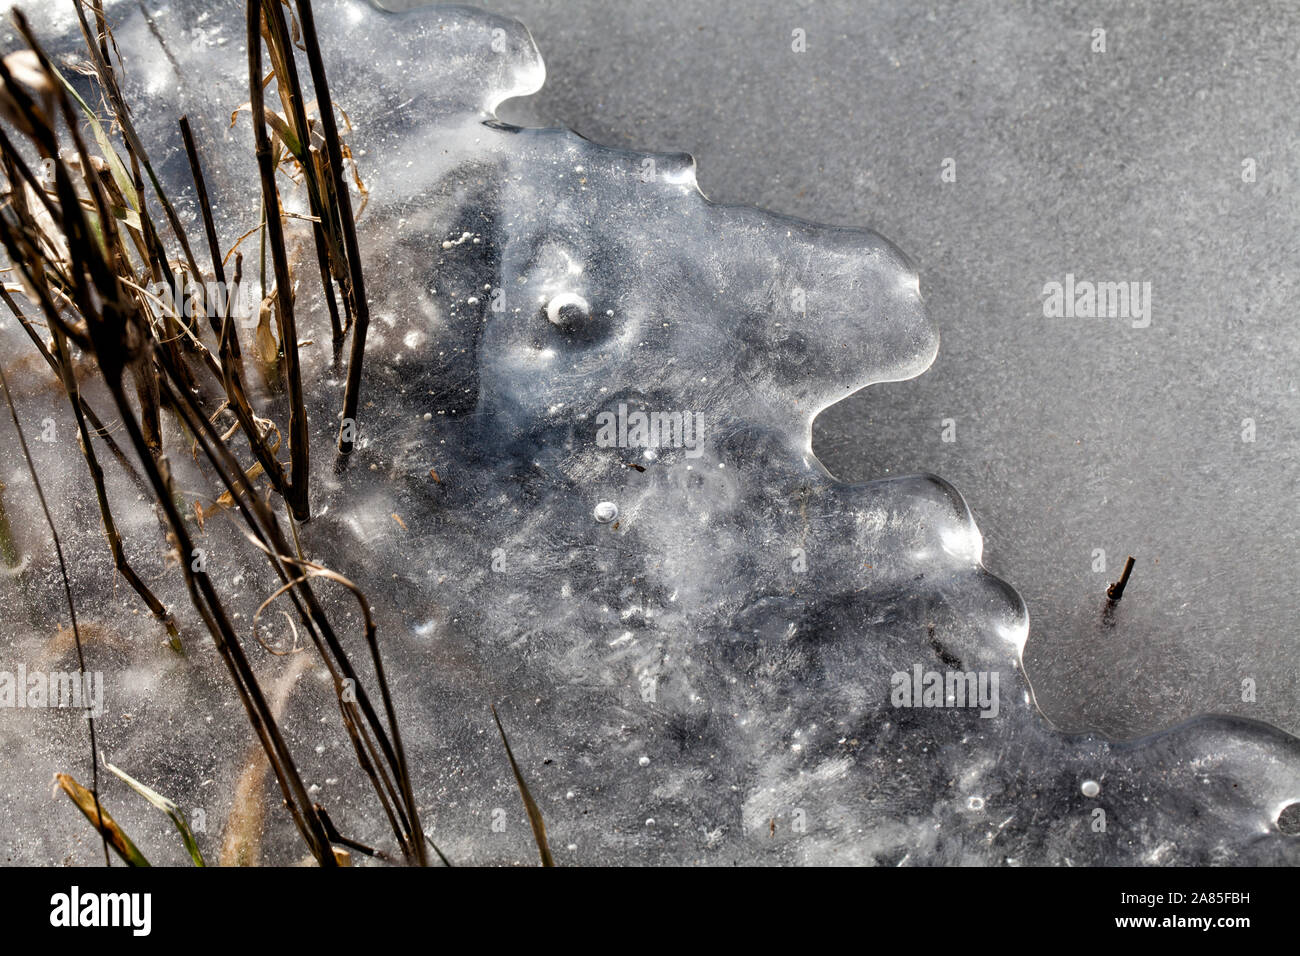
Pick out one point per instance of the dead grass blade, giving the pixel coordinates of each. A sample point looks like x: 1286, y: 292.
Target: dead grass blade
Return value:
x: 530, y: 805
x: 109, y: 831
x: 168, y: 807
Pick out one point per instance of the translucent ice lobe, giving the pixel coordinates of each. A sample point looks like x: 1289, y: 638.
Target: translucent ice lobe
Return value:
x: 468, y: 60
x: 788, y: 315
x: 682, y: 615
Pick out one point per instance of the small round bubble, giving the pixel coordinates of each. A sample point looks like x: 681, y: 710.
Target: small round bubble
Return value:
x: 567, y: 309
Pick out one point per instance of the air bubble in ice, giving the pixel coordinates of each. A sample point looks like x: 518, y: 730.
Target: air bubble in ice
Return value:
x: 567, y: 309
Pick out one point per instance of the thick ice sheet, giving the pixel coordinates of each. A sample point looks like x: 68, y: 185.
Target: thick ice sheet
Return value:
x: 694, y: 643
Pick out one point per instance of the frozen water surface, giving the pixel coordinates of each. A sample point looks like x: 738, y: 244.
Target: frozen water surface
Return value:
x: 584, y: 490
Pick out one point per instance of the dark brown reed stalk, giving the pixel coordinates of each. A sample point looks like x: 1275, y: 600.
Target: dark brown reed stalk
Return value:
x: 228, y: 337
x: 114, y: 325
x: 108, y: 82
x: 62, y: 365
x: 120, y: 339
x: 338, y: 838
x: 373, y: 752
x: 206, y: 601
x: 398, y: 787
x: 285, y: 68
x: 209, y: 226
x: 356, y: 286
x: 266, y: 533
x: 96, y: 425
x: 359, y: 717
x: 203, y: 594
x: 298, y: 448
x: 85, y: 251
x: 237, y: 397
x: 98, y: 818
x: 120, y: 562
x: 17, y: 171
x: 112, y: 355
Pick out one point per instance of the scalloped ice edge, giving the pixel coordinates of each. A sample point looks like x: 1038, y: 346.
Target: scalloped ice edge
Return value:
x: 683, y: 167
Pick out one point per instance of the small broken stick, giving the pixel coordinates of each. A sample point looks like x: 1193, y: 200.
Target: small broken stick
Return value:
x: 1116, y: 590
